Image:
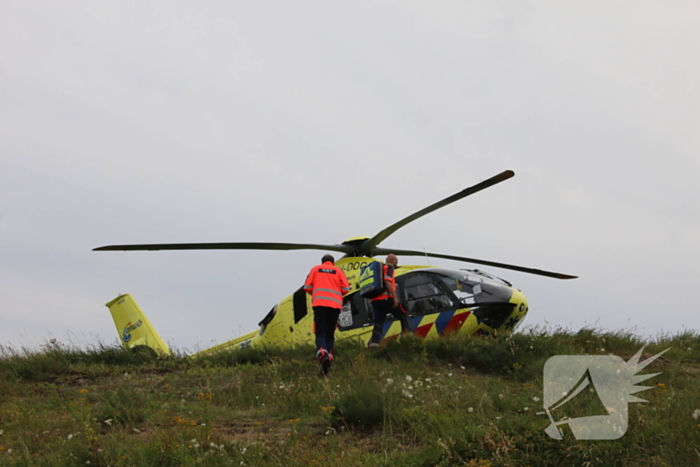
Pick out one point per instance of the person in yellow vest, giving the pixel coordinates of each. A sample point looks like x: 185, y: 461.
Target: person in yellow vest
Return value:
x: 327, y: 284
x: 387, y: 302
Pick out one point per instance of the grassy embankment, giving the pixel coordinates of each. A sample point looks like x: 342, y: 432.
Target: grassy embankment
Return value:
x: 453, y: 401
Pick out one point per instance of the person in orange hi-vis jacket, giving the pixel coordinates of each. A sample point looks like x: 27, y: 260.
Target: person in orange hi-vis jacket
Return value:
x: 387, y: 302
x: 327, y: 284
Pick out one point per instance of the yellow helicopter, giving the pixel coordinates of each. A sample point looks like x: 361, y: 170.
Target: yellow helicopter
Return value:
x: 438, y: 300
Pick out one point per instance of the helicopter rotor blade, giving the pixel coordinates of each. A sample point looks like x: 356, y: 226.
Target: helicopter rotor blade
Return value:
x: 226, y: 246
x: 539, y: 272
x: 369, y: 246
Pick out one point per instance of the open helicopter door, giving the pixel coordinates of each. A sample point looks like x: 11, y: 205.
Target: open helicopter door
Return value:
x: 134, y: 328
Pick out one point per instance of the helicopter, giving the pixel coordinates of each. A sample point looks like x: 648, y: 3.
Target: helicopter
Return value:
x: 438, y: 300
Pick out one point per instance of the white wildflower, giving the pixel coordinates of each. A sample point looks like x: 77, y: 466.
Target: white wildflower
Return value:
x: 389, y: 381
x: 70, y: 436
x: 696, y: 414
x: 244, y: 450
x: 526, y: 409
x: 428, y: 380
x: 108, y: 422
x: 196, y: 445
x: 470, y: 409
x: 407, y: 394
x: 136, y: 430
x: 536, y: 399
x: 409, y: 378
x: 450, y: 374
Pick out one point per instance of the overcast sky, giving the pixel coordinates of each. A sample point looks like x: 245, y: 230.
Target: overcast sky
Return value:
x: 310, y: 121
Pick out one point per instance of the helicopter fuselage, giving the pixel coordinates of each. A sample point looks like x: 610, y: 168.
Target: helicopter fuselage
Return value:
x: 438, y: 301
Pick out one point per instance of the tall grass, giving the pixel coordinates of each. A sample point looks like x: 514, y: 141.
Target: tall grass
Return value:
x: 459, y: 400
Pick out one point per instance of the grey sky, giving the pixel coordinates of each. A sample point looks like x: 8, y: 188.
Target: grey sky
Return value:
x: 155, y: 122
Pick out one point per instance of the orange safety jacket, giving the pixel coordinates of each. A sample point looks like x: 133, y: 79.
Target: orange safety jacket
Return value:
x: 388, y: 273
x: 327, y: 284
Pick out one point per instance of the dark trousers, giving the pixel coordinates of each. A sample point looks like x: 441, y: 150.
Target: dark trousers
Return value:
x: 380, y: 308
x: 325, y: 320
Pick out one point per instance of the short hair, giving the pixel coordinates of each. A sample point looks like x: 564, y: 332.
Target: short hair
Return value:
x: 328, y: 258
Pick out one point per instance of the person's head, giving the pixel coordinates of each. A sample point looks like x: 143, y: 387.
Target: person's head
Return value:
x: 328, y: 258
x: 392, y: 259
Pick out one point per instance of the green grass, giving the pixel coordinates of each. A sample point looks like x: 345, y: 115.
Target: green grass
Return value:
x: 459, y: 400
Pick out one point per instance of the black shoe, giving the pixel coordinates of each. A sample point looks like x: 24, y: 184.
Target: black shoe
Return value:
x: 325, y: 366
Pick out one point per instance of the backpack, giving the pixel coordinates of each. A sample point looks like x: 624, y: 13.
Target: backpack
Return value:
x: 372, y: 279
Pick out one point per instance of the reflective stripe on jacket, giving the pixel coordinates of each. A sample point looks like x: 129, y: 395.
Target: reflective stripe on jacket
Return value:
x: 388, y: 273
x: 327, y: 284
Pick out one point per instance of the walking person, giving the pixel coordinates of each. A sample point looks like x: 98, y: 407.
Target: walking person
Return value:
x: 327, y: 285
x: 387, y: 302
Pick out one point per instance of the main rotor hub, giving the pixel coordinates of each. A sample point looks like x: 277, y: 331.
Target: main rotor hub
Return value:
x: 356, y: 244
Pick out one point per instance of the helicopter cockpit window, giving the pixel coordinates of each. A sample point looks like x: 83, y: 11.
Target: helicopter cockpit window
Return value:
x: 464, y: 291
x: 355, y: 313
x: 424, y: 294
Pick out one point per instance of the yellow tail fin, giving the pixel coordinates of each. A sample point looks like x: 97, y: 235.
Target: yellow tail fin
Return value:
x: 133, y: 326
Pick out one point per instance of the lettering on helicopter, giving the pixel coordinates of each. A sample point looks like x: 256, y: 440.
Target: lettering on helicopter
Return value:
x: 354, y: 266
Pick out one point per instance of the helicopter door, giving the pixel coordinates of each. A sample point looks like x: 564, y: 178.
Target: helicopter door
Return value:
x: 355, y: 313
x: 424, y: 294
x: 299, y: 300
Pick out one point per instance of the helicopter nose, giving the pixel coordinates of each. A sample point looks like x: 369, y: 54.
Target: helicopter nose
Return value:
x: 519, y: 310
x: 521, y: 302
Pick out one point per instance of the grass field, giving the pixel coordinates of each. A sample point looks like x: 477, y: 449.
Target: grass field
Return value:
x: 458, y: 400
